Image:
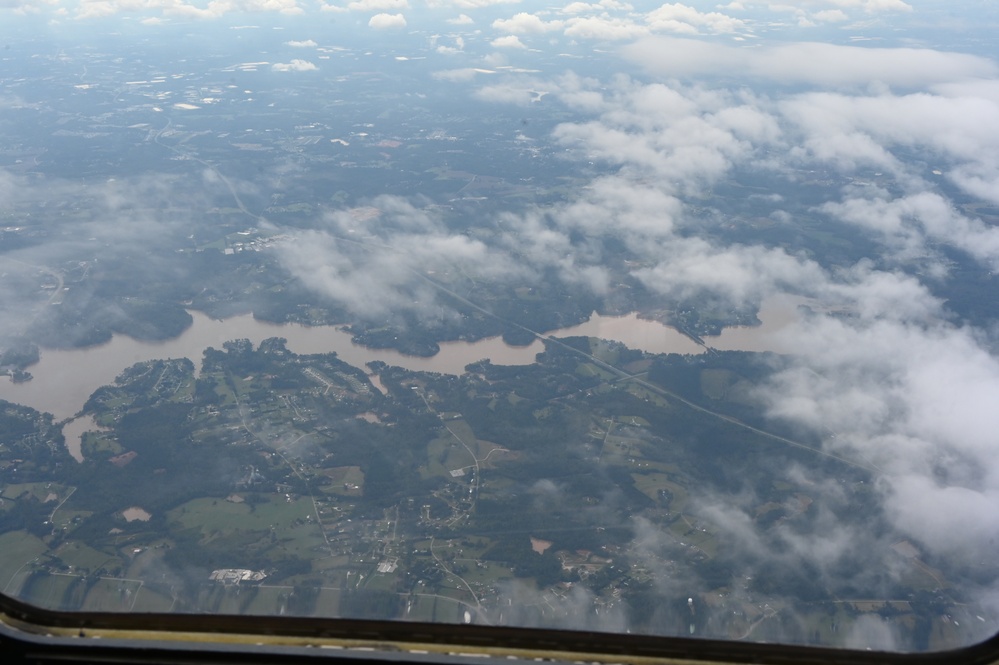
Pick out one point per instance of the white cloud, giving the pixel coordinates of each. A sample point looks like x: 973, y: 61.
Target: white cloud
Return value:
x: 308, y: 43
x: 464, y: 74
x: 377, y: 5
x: 809, y: 63
x: 910, y: 222
x: 957, y: 123
x: 831, y: 16
x: 803, y: 6
x: 685, y: 137
x: 25, y: 6
x: 383, y: 279
x: 524, y: 23
x: 913, y: 398
x: 296, y: 65
x: 871, y: 6
x: 680, y: 18
x: 739, y: 275
x: 459, y: 46
x: 510, y: 41
x: 469, y: 4
x: 519, y: 93
x: 210, y: 10
x: 604, y: 28
x: 579, y: 8
x: 461, y: 19
x: 387, y: 21
x: 879, y: 365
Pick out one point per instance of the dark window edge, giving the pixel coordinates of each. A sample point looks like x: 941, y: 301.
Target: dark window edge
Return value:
x: 32, y: 634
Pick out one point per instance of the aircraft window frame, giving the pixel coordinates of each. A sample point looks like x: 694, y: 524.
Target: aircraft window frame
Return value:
x: 33, y: 634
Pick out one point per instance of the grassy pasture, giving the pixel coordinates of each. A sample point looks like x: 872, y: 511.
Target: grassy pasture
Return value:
x: 51, y: 591
x: 152, y: 600
x: 649, y: 484
x: 421, y: 608
x: 112, y: 595
x: 84, y: 558
x: 294, y: 527
x: 621, y: 446
x: 17, y: 548
x: 592, y: 369
x: 703, y: 540
x: 40, y: 490
x: 343, y: 481
x: 99, y: 445
x: 716, y: 382
x: 264, y: 599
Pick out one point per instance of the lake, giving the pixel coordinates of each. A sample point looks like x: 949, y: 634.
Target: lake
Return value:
x: 65, y: 378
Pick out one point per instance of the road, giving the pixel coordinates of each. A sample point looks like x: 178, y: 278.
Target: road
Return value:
x: 232, y: 190
x: 625, y: 376
x: 315, y: 507
x: 443, y: 566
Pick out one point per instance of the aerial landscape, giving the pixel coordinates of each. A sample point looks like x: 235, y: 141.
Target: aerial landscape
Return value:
x: 673, y: 319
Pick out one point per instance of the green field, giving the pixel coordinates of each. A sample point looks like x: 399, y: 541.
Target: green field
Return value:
x: 17, y: 550
x: 53, y: 591
x: 290, y: 525
x: 649, y: 484
x: 342, y: 480
x: 42, y: 491
x: 83, y: 558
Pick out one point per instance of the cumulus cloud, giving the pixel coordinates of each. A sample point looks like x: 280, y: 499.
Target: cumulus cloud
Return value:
x: 469, y: 4
x: 956, y: 123
x: 905, y: 395
x: 296, y: 65
x: 461, y: 19
x: 831, y: 16
x: 180, y: 8
x: 809, y: 63
x: 834, y: 8
x: 373, y: 265
x: 463, y: 74
x: 307, y: 43
x: 509, y: 41
x: 680, y: 18
x: 524, y: 23
x: 26, y: 6
x: 660, y: 129
x: 878, y: 372
x: 459, y: 46
x: 872, y: 6
x: 121, y: 216
x: 518, y: 92
x: 579, y: 8
x: 387, y: 21
x: 377, y: 5
x: 909, y: 223
x: 604, y: 28
x: 602, y: 6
